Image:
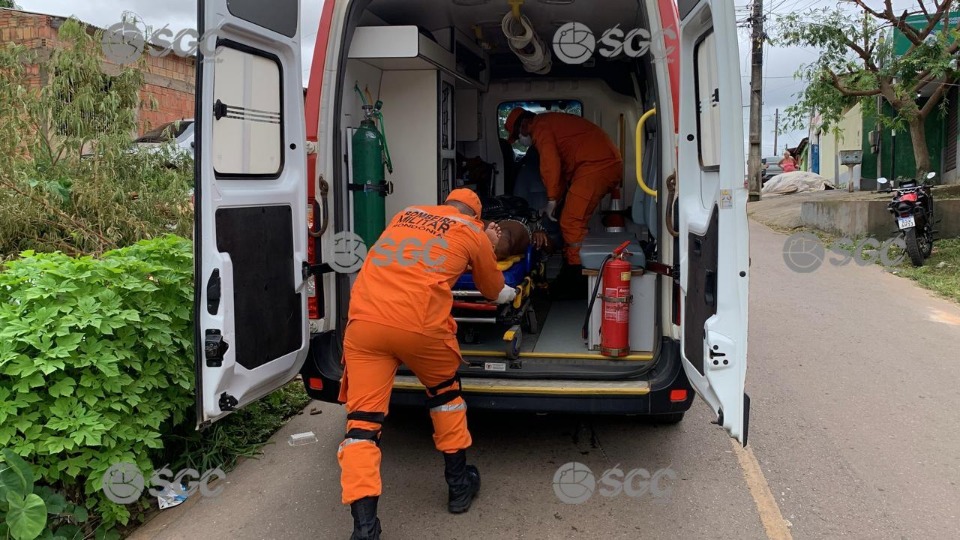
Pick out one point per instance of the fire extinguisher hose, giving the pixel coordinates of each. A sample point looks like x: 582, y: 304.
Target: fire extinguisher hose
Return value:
x: 593, y: 296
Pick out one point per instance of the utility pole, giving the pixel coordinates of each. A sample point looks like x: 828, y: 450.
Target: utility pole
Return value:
x: 756, y: 101
x: 776, y: 130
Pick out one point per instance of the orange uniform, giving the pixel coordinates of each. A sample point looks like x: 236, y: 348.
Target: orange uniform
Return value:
x: 400, y: 312
x: 407, y: 279
x: 579, y: 159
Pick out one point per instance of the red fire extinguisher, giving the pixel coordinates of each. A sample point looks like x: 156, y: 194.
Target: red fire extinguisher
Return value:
x: 615, y: 324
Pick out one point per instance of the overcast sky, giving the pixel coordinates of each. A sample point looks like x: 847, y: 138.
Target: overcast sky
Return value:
x: 780, y: 63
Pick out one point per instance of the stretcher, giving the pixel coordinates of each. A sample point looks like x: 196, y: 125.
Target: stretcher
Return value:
x: 471, y: 309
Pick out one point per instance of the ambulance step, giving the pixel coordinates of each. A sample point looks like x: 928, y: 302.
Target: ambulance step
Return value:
x: 528, y: 387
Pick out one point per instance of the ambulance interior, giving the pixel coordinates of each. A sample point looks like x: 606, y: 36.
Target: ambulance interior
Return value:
x: 447, y: 78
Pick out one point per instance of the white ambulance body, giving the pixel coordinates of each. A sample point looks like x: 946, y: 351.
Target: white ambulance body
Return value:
x: 274, y: 202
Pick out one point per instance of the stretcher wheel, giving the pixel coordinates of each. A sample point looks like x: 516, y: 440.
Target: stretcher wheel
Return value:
x: 514, y: 338
x: 530, y: 322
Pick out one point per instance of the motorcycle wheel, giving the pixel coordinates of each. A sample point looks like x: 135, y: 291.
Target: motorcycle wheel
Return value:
x: 913, y: 246
x: 926, y: 245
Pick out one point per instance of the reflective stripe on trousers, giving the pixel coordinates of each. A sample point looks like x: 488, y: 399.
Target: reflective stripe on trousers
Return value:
x: 450, y: 407
x: 348, y: 442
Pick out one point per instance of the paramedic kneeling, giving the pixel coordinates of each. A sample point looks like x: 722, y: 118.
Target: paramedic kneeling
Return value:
x: 400, y: 313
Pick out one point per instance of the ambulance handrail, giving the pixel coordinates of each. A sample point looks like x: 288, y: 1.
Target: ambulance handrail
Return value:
x: 643, y: 121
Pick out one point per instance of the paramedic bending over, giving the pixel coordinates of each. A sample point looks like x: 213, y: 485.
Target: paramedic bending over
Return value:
x: 579, y: 165
x: 400, y: 312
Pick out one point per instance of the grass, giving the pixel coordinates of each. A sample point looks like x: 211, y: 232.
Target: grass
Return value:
x: 240, y: 435
x: 941, y: 272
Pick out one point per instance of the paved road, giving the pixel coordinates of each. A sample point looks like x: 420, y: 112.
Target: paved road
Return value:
x: 854, y: 427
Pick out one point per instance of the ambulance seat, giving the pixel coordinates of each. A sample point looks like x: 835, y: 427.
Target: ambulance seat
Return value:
x: 597, y: 245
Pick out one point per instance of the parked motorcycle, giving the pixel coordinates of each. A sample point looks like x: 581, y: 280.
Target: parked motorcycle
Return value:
x: 912, y: 207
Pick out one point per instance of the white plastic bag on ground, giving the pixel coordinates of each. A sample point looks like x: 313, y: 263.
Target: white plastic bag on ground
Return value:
x: 796, y: 182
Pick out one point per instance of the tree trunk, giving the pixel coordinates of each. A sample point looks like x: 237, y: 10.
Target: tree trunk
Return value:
x: 918, y: 136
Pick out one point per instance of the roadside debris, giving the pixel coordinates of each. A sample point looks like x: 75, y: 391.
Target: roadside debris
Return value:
x: 796, y: 182
x: 171, y: 497
x: 300, y: 439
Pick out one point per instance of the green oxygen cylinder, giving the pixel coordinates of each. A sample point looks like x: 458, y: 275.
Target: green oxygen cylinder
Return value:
x: 370, y: 188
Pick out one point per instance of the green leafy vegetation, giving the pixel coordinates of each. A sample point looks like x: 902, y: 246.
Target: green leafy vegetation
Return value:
x: 95, y: 362
x: 96, y: 302
x: 29, y: 511
x: 241, y: 435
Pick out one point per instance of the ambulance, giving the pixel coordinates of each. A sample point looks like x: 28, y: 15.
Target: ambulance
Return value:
x: 282, y: 197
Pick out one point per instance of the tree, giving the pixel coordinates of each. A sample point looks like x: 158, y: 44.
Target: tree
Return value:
x: 859, y: 63
x: 68, y: 178
x: 8, y: 4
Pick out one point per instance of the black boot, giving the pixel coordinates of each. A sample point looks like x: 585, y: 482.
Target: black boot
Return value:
x: 463, y: 479
x: 366, y: 525
x: 570, y: 284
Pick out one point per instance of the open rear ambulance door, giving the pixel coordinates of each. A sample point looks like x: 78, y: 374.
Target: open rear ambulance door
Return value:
x: 251, y: 224
x: 714, y: 235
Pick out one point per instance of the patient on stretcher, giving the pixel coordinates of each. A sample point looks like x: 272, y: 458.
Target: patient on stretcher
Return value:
x: 512, y: 238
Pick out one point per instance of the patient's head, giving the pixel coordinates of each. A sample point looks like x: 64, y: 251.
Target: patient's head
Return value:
x: 502, y: 248
x: 514, y: 239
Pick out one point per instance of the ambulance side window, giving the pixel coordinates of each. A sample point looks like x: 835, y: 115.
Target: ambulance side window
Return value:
x: 708, y: 102
x: 248, y: 127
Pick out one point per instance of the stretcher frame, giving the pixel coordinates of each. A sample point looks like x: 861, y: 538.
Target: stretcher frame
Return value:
x: 470, y: 308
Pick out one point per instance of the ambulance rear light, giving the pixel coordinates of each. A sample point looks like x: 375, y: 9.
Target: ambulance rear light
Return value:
x: 678, y: 395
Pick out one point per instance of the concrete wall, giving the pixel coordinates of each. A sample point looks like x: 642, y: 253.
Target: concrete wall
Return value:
x: 849, y: 138
x: 871, y: 218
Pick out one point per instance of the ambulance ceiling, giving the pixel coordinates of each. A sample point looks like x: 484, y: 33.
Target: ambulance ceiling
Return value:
x: 545, y: 15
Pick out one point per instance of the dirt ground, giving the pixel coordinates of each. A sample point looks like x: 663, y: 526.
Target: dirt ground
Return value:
x: 782, y: 212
